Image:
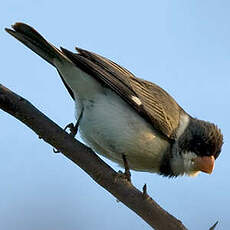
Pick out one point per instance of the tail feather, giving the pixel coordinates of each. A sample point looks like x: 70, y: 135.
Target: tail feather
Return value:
x: 32, y: 39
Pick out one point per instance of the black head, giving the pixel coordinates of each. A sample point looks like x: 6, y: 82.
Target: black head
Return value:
x: 203, y: 138
x: 194, y: 151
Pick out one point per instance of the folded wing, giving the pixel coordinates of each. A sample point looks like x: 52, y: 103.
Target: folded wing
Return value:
x: 152, y: 102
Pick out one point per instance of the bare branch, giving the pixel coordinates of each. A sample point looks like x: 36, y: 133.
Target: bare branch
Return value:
x: 85, y: 158
x: 213, y: 226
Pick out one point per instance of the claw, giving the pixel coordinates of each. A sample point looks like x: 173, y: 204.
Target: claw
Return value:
x: 73, y: 129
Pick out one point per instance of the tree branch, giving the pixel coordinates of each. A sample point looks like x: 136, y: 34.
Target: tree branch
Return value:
x: 85, y: 158
x: 213, y: 226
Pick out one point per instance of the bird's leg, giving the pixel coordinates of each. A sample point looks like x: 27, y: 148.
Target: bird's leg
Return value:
x: 127, y: 173
x: 73, y: 128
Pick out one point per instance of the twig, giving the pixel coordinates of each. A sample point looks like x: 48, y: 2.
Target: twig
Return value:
x: 145, y: 195
x: 214, y: 226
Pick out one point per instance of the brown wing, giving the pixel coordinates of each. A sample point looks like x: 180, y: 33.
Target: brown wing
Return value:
x: 149, y: 100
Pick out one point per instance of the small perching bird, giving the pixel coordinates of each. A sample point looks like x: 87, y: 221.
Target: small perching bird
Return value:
x: 121, y: 115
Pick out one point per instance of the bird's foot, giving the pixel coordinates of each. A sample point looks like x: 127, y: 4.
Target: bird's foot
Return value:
x: 73, y: 132
x: 72, y: 128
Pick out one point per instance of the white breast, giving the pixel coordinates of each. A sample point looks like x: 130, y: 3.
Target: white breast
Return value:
x: 112, y: 128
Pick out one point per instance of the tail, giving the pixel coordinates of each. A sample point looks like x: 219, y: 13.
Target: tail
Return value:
x: 32, y: 39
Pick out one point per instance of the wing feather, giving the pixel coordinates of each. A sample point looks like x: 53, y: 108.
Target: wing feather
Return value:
x: 156, y: 105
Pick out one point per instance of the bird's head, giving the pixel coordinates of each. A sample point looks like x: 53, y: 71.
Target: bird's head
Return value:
x: 197, y: 149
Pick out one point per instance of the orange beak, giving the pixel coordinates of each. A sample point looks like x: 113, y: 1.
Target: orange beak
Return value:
x: 205, y: 164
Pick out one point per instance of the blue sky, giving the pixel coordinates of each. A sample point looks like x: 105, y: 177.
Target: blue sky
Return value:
x: 183, y: 46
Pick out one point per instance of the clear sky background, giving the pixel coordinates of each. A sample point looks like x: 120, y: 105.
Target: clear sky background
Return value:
x: 183, y: 46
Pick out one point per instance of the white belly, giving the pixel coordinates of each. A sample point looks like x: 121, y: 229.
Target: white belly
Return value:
x: 112, y: 128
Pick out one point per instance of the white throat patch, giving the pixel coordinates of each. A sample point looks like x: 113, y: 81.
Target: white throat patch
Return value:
x: 184, y: 164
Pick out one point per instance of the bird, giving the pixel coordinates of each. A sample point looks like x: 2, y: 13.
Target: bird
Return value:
x: 126, y: 118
